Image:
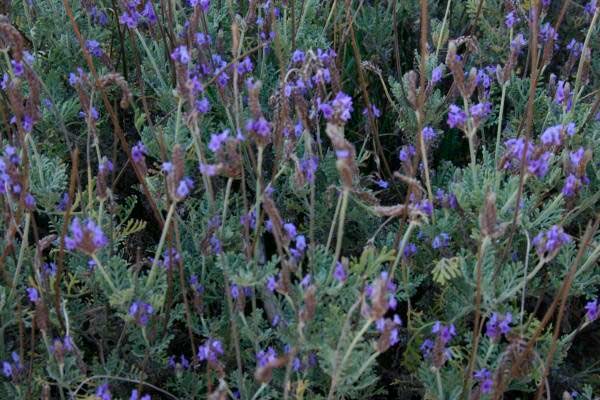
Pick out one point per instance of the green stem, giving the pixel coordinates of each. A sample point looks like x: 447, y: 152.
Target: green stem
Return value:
x: 440, y: 386
x: 339, y: 368
x: 104, y: 273
x: 24, y: 244
x: 161, y: 243
x: 152, y: 60
x: 340, y: 231
x: 439, y: 42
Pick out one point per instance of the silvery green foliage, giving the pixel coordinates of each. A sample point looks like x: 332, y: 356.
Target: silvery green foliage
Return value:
x: 199, y: 201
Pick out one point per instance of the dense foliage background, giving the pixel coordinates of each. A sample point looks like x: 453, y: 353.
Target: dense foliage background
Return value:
x: 299, y: 199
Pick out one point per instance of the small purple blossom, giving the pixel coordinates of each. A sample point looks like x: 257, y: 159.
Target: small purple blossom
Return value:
x: 103, y: 392
x: 484, y: 377
x: 33, y: 294
x: 592, y: 310
x: 376, y: 112
x: 141, y: 312
x: 93, y: 47
x: 550, y: 241
x: 498, y: 325
x: 339, y: 273
x: 440, y: 241
x: 407, y: 152
x: 428, y: 133
x: 456, y: 116
x: 210, y: 350
x: 266, y: 356
x: 511, y: 19
x: 217, y: 140
x: 87, y: 237
x: 181, y: 55
x: 437, y: 74
x: 138, y: 152
x: 298, y: 57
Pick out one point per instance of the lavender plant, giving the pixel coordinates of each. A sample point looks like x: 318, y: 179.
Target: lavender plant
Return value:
x: 290, y: 199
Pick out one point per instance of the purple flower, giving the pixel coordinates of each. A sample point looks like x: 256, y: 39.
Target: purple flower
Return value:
x: 342, y: 103
x: 141, y: 312
x: 264, y: 357
x: 17, y: 67
x: 7, y: 369
x: 203, y: 105
x: 498, y: 325
x: 436, y: 74
x: 29, y: 201
x: 210, y: 350
x: 511, y: 19
x: 204, y: 4
x: 383, y: 184
x: 376, y: 112
x: 208, y: 169
x: 456, y: 116
x: 93, y: 47
x: 406, y: 152
x: 103, y: 392
x: 428, y: 134
x: 290, y: 230
x: 339, y: 273
x: 98, y: 17
x: 572, y: 186
x: 300, y: 243
x: 170, y: 258
x: 33, y: 294
x: 217, y: 140
x: 539, y: 167
x: 298, y: 56
x: 215, y: 244
x: 590, y: 8
x: 49, y: 269
x: 202, y: 39
x: 552, y: 136
x: 135, y: 396
x: 235, y: 291
x: 480, y: 111
x: 576, y: 158
x: 260, y: 127
x: 410, y: 250
x: 574, y: 48
x: 592, y: 310
x: 444, y: 332
x: 87, y: 237
x: 148, y: 13
x: 130, y: 17
x: 426, y: 347
x: 181, y: 55
x: 547, y: 33
x: 138, y: 152
x: 441, y: 240
x: 309, y: 167
x: 484, y: 377
x: 550, y: 241
x: 518, y: 43
x: 271, y: 284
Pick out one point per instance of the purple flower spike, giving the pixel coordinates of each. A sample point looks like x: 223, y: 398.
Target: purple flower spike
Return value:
x: 87, y: 237
x: 456, y: 116
x: 33, y: 294
x: 592, y: 310
x: 210, y: 351
x: 181, y: 55
x: 141, y: 312
x: 551, y: 241
x: 484, y: 377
